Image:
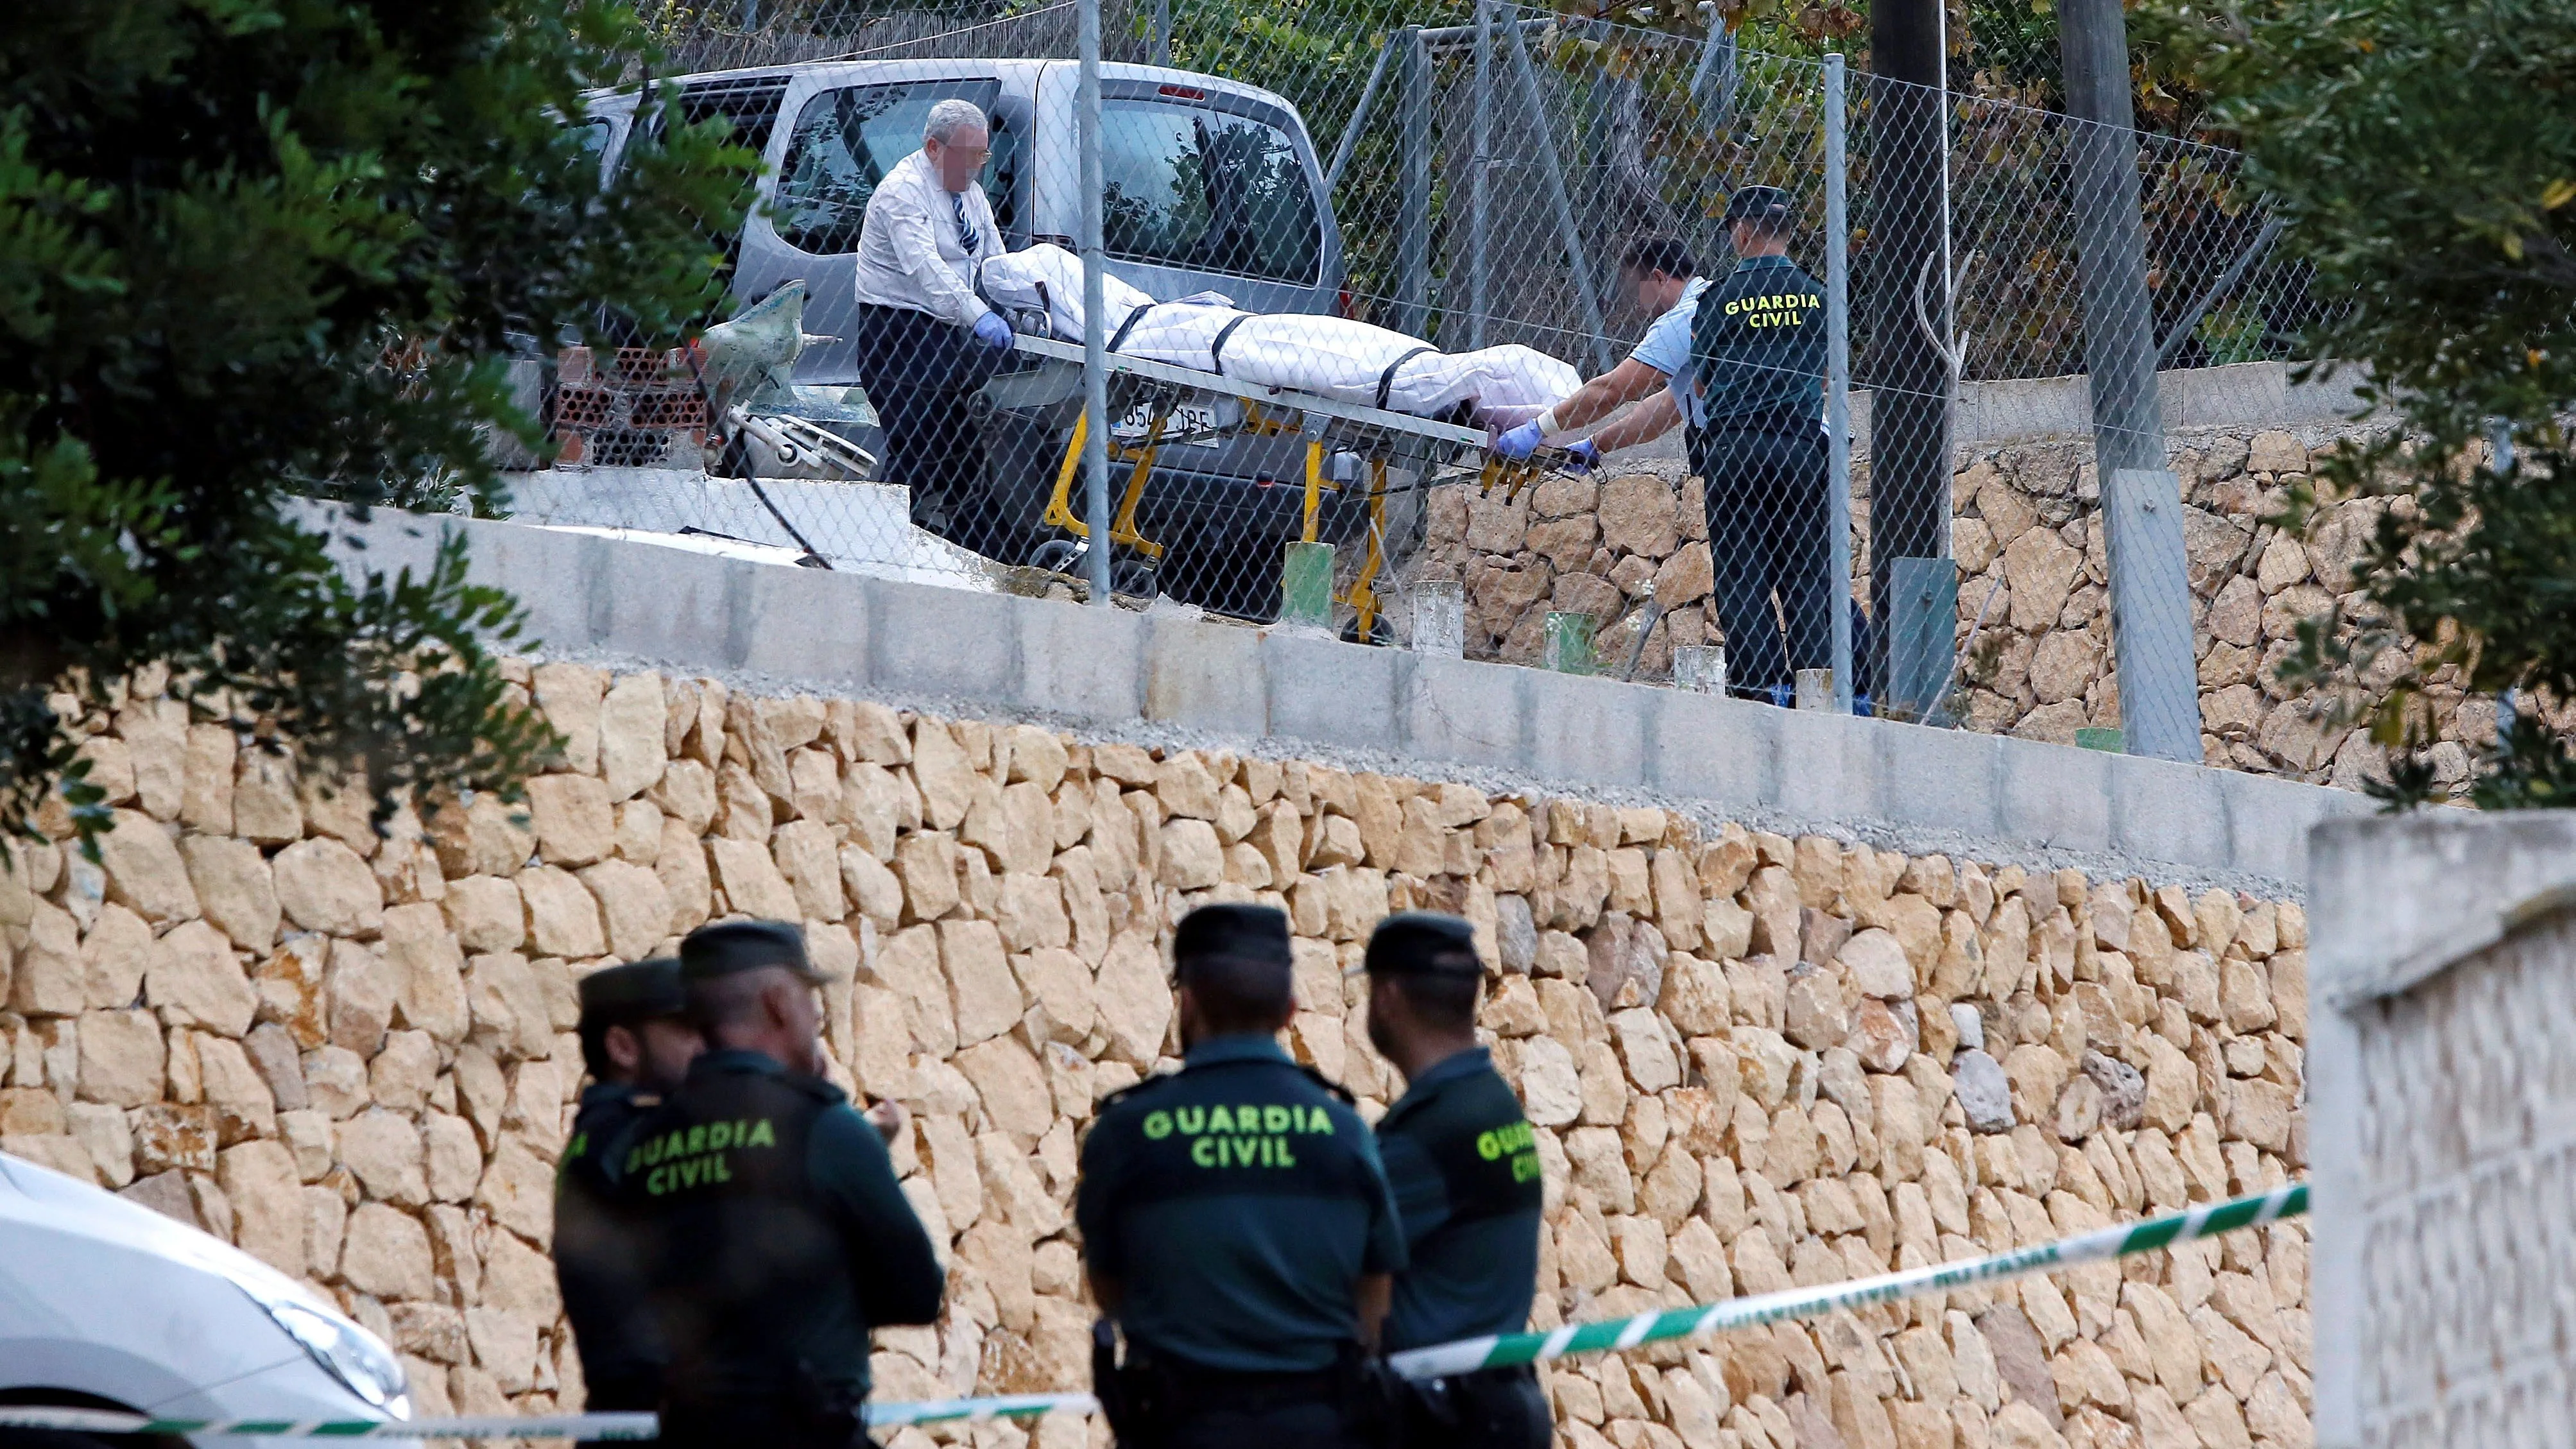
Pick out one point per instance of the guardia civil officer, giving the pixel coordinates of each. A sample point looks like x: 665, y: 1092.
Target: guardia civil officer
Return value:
x: 1758, y: 443
x: 637, y: 1043
x: 1465, y: 1169
x: 1235, y: 1221
x: 781, y: 1236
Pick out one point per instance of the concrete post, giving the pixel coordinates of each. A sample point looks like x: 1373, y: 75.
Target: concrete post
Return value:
x: 2141, y: 503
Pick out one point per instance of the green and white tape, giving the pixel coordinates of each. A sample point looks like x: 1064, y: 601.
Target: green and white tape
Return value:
x: 1438, y: 1361
x: 502, y: 1426
x: 491, y: 1426
x: 1498, y: 1351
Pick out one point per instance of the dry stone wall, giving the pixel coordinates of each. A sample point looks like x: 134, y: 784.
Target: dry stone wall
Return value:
x: 1752, y: 1061
x: 2034, y: 613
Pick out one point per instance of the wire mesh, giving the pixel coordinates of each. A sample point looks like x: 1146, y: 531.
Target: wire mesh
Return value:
x: 1468, y: 176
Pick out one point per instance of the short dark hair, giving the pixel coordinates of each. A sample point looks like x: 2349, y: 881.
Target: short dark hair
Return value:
x: 718, y: 1002
x: 1238, y: 993
x: 594, y: 1047
x: 1647, y: 255
x: 1445, y: 999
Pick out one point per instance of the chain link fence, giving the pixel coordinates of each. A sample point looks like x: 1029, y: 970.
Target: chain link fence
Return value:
x: 1349, y: 244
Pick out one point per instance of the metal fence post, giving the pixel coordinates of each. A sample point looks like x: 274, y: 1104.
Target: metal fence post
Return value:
x: 1162, y: 32
x: 2151, y: 628
x: 1413, y: 210
x: 1481, y: 151
x: 1569, y: 232
x: 1838, y: 371
x: 1095, y: 340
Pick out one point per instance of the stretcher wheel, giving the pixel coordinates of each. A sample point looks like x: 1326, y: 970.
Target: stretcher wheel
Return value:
x: 1056, y: 555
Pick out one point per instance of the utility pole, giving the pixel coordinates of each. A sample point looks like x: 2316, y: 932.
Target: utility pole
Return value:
x: 1905, y: 369
x: 2151, y: 632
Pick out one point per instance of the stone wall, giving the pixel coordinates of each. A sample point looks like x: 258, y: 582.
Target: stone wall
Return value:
x: 1754, y: 1061
x: 2026, y: 532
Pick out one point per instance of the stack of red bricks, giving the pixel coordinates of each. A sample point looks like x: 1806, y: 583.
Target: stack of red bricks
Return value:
x: 635, y: 407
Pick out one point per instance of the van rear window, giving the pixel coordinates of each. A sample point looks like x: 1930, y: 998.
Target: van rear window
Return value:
x: 1192, y: 186
x: 845, y: 142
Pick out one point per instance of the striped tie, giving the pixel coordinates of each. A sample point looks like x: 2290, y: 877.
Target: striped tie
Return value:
x: 966, y: 235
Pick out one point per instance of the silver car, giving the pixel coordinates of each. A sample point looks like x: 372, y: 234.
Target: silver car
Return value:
x: 106, y: 1304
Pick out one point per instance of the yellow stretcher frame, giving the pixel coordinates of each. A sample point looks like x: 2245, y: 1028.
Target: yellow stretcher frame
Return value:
x: 1375, y: 434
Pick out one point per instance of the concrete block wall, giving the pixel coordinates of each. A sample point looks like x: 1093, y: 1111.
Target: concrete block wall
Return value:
x: 1112, y: 674
x: 1754, y: 1058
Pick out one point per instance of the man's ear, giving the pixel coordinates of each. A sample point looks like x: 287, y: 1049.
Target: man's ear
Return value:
x: 624, y: 1047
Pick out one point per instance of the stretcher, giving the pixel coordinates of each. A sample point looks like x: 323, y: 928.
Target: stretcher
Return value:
x: 1377, y: 436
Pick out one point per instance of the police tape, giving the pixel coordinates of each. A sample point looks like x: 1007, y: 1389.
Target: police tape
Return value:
x: 1501, y: 1351
x: 496, y: 1426
x: 1437, y: 1361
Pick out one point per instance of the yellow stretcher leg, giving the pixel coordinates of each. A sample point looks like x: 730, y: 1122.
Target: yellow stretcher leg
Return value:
x: 1314, y: 484
x: 1059, y: 509
x: 1363, y: 591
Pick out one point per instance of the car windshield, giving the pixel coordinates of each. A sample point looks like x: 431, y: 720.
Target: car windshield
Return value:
x: 1192, y: 186
x: 846, y: 141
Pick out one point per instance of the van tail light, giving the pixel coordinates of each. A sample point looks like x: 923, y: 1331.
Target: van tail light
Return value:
x: 1347, y: 305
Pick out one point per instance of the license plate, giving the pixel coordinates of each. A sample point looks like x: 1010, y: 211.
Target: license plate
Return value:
x: 1184, y: 420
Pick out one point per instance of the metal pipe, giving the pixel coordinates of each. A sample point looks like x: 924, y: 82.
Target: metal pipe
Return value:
x: 2226, y: 283
x: 1412, y: 311
x: 1480, y: 155
x: 1095, y: 338
x: 1358, y: 122
x: 1838, y: 376
x: 1440, y: 37
x: 1570, y: 235
x: 1162, y: 32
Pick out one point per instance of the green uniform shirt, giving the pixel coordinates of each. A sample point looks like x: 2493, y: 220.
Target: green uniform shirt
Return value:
x: 599, y: 1252
x: 780, y: 1235
x: 1238, y: 1201
x: 1465, y: 1168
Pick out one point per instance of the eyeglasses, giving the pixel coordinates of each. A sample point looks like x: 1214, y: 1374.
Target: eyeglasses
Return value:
x: 973, y: 153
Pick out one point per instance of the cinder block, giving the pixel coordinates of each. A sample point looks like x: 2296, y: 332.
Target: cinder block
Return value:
x: 1829, y: 766
x: 1082, y: 662
x: 557, y: 577
x: 1938, y: 778
x: 2268, y: 820
x: 811, y: 624
x: 2054, y: 795
x: 1714, y: 748
x: 1589, y: 730
x: 2167, y: 811
x: 1452, y: 709
x: 1330, y: 692
x: 685, y: 609
x: 1206, y: 676
x: 937, y: 641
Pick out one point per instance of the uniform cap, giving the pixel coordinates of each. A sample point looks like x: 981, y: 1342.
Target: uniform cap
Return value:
x: 1422, y: 943
x: 1258, y: 934
x: 722, y: 950
x: 633, y: 992
x: 1757, y: 203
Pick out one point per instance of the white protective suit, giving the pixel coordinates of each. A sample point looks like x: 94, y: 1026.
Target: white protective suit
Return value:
x: 1332, y: 357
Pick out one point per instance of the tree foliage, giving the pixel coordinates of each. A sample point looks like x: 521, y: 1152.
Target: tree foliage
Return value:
x: 2425, y: 160
x: 256, y: 252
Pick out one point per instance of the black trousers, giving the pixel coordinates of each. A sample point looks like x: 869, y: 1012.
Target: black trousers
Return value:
x: 919, y: 373
x: 1195, y: 1409
x: 1491, y: 1409
x: 1769, y: 538
x: 767, y: 1424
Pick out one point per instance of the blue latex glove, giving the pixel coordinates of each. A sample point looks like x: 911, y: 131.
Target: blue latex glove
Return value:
x: 1586, y: 457
x: 1519, y: 443
x: 993, y: 332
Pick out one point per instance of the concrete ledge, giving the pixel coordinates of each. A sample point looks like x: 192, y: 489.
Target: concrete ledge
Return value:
x: 1114, y: 674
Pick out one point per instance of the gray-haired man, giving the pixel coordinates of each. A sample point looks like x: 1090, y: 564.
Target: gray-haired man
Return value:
x: 925, y: 341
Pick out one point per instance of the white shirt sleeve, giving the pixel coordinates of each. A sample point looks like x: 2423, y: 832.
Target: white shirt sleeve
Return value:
x: 909, y: 252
